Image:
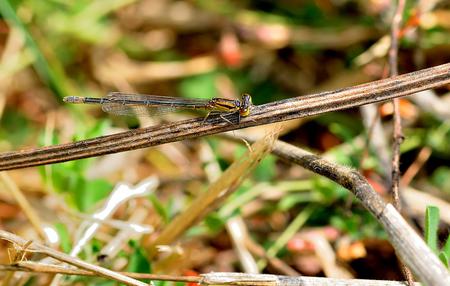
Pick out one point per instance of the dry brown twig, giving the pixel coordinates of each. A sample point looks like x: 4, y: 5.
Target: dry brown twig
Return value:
x: 262, y: 114
x: 409, y: 246
x: 398, y: 132
x: 213, y: 278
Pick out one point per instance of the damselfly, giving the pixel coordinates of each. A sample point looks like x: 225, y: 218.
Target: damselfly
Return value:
x: 120, y: 103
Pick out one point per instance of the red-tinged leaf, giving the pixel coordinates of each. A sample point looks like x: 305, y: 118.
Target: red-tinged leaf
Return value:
x: 230, y: 50
x: 379, y: 188
x: 351, y: 251
x: 273, y: 35
x: 328, y: 141
x: 331, y: 233
x: 298, y: 244
x: 407, y: 109
x: 190, y: 272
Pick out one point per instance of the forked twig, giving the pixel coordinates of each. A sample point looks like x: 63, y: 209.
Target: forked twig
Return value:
x: 407, y: 243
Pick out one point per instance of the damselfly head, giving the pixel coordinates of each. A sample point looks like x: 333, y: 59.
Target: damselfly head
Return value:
x: 246, y: 105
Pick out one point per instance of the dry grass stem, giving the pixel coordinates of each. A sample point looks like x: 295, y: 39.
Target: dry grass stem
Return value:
x: 30, y: 266
x: 418, y: 201
x: 219, y: 190
x: 276, y: 263
x: 412, y: 171
x: 42, y: 249
x: 235, y: 226
x: 22, y: 201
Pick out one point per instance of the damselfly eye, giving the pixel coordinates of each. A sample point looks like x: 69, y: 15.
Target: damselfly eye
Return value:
x: 245, y: 105
x: 237, y: 103
x: 246, y: 99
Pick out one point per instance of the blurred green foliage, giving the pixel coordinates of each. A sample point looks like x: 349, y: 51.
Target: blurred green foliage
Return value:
x: 51, y: 75
x: 16, y: 127
x: 138, y: 260
x: 201, y: 86
x: 70, y: 177
x: 64, y: 237
x: 440, y: 178
x: 432, y: 220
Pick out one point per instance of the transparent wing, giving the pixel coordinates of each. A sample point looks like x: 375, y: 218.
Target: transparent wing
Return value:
x: 149, y: 99
x: 117, y: 108
x: 132, y: 104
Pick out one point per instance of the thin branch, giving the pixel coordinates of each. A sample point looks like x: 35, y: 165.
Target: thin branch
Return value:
x: 407, y: 243
x: 263, y: 114
x: 395, y: 30
x: 398, y: 134
x: 213, y: 278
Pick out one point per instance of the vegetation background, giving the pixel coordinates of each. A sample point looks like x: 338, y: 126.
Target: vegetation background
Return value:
x: 203, y: 49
